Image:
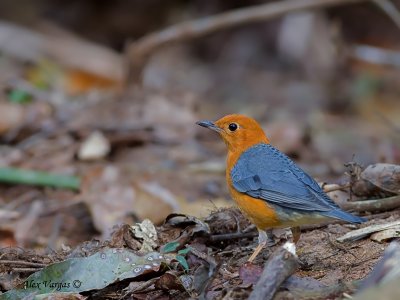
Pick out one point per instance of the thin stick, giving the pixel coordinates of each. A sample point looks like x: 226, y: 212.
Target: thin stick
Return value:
x: 230, y: 236
x: 278, y: 268
x: 383, y: 204
x: 390, y: 9
x: 22, y: 263
x: 363, y: 232
x: 24, y: 270
x: 139, y: 51
x: 335, y: 187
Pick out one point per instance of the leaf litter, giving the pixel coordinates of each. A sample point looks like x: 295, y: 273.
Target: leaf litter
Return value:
x: 154, y: 162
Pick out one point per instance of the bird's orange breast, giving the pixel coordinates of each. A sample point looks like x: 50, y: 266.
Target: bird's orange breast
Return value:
x: 258, y: 211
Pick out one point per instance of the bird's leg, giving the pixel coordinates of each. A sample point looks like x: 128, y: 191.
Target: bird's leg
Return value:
x: 296, y: 233
x: 270, y: 238
x: 264, y: 238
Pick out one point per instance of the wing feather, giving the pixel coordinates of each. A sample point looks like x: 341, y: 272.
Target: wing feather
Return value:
x: 265, y: 173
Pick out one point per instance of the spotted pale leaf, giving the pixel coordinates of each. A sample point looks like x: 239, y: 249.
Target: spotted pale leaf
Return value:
x: 94, y: 272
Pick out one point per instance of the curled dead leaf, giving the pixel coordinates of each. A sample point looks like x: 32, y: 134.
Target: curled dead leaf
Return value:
x: 148, y: 233
x: 386, y: 235
x: 169, y: 281
x: 183, y: 221
x: 384, y: 176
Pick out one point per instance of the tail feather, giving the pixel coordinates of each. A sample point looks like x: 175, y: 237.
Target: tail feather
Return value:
x: 345, y: 216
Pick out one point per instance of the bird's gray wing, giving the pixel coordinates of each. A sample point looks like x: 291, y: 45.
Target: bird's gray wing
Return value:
x: 265, y: 173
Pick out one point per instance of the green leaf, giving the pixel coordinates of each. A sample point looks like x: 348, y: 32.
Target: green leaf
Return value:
x: 76, y: 275
x: 170, y: 247
x: 184, y: 251
x: 19, y: 96
x: 20, y: 176
x: 183, y: 262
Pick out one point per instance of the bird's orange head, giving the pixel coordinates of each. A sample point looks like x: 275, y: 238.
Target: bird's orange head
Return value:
x: 238, y: 132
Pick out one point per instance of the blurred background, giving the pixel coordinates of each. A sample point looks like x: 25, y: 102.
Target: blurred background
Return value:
x: 324, y: 83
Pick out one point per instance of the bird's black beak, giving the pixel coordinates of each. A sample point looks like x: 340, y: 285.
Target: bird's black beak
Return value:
x: 209, y: 125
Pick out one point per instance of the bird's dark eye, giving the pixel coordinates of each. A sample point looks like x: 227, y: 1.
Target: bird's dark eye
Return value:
x: 232, y: 126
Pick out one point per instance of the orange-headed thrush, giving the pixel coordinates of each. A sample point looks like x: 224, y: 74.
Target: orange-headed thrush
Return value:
x: 269, y: 188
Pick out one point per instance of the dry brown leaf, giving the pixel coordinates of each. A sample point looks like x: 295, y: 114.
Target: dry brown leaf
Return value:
x: 11, y: 116
x: 112, y: 199
x: 384, y: 176
x: 385, y: 235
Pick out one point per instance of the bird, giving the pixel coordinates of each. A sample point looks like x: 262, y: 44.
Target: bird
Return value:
x: 270, y: 189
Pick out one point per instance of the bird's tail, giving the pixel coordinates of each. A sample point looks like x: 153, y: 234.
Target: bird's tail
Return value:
x: 345, y: 216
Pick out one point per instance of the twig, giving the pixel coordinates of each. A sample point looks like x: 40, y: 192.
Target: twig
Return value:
x: 278, y: 268
x: 390, y: 9
x: 24, y: 270
x: 24, y: 198
x: 360, y: 233
x: 63, y: 47
x: 383, y: 204
x: 335, y: 187
x: 22, y: 263
x: 138, y: 52
x: 230, y: 236
x: 383, y: 215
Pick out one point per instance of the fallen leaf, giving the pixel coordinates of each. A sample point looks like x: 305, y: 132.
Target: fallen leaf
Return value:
x: 200, y: 278
x: 385, y: 235
x: 151, y: 194
x: 148, y: 233
x: 11, y: 116
x: 182, y: 261
x: 250, y: 273
x: 78, y: 82
x: 109, y: 198
x: 123, y: 237
x: 112, y: 199
x: 184, y: 221
x: 170, y: 247
x: 384, y: 176
x: 168, y: 282
x: 81, y: 274
x: 96, y: 146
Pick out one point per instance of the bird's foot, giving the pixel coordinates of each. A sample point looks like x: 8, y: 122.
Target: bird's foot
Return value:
x: 296, y: 234
x: 256, y: 252
x: 265, y: 238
